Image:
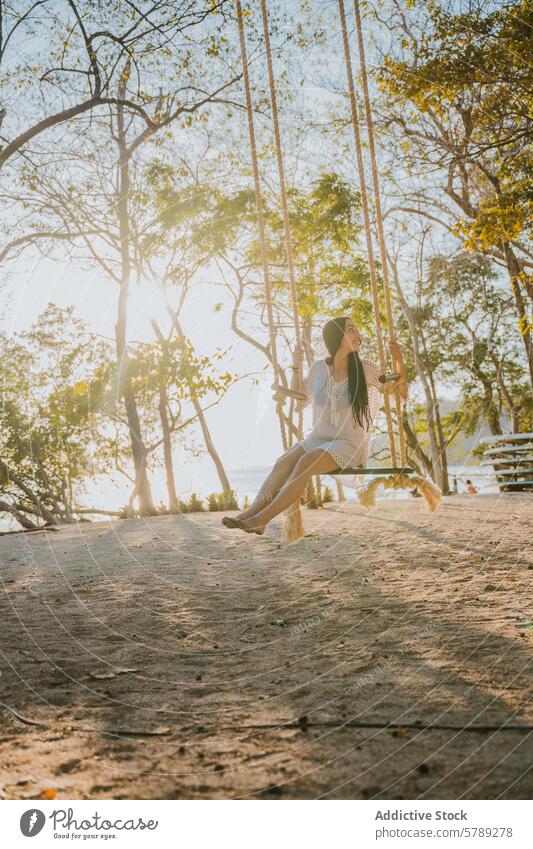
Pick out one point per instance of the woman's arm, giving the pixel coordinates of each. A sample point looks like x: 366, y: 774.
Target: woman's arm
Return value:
x: 288, y: 393
x: 298, y: 390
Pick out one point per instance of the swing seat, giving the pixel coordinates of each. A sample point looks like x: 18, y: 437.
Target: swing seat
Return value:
x: 382, y: 470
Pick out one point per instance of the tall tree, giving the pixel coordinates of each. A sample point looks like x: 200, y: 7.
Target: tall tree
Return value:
x: 77, y: 207
x: 458, y: 89
x: 55, y: 379
x: 74, y: 66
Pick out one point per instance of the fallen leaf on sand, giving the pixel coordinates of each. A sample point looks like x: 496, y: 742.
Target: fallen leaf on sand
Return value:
x: 48, y: 793
x: 138, y: 732
x: 99, y: 676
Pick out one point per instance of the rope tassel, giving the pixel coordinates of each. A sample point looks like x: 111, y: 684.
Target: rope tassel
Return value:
x: 293, y: 527
x: 428, y: 489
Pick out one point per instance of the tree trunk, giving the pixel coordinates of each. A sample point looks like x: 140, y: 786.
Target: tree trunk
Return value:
x: 444, y: 482
x: 515, y: 272
x: 68, y: 514
x: 265, y: 349
x: 493, y: 418
x: 443, y: 454
x: 211, y: 450
x: 173, y: 502
x: 143, y: 490
x: 307, y: 340
x: 340, y: 491
x: 414, y: 445
x: 41, y: 510
x: 514, y: 409
x: 492, y: 413
x: 436, y: 466
x: 26, y: 523
x: 433, y: 444
x: 309, y: 496
x: 318, y: 490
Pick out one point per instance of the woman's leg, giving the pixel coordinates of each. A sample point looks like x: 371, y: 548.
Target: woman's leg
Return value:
x: 314, y: 463
x: 283, y: 467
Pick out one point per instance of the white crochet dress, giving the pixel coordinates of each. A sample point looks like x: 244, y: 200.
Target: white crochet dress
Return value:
x: 334, y: 429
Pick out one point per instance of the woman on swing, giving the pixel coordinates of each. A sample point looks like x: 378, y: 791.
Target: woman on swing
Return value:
x: 345, y: 392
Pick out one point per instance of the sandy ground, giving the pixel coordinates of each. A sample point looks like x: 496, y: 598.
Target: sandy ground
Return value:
x: 383, y: 656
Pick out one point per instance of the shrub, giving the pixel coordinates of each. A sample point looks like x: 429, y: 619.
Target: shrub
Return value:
x: 213, y: 502
x: 228, y: 500
x: 314, y: 502
x: 195, y: 504
x: 222, y: 501
x: 327, y: 495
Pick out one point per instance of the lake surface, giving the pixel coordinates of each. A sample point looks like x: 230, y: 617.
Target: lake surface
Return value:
x: 246, y: 482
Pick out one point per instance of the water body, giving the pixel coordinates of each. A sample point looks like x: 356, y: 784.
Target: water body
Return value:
x: 246, y: 483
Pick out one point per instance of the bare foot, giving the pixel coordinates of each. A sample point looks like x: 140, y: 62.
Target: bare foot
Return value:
x: 233, y: 521
x: 248, y: 528
x: 229, y: 521
x: 246, y: 514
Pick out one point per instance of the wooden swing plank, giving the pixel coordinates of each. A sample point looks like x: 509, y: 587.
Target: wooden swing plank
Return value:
x: 401, y: 470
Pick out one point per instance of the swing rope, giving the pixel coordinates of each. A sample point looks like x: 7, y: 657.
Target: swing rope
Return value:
x: 293, y: 527
x: 283, y: 197
x: 366, y: 219
x: 401, y: 477
x: 379, y: 216
x: 260, y: 220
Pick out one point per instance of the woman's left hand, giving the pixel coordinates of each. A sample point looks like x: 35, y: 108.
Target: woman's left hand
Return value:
x: 395, y: 349
x: 396, y: 353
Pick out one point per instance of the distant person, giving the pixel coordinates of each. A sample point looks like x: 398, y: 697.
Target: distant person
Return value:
x: 470, y: 488
x: 455, y: 487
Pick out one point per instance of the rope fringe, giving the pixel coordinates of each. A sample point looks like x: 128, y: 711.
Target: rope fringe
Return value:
x: 293, y: 527
x: 431, y: 492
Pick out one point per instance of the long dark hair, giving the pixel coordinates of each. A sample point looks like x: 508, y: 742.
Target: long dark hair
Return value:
x: 332, y: 334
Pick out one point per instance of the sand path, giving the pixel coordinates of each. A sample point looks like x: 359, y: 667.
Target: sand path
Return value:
x: 383, y: 656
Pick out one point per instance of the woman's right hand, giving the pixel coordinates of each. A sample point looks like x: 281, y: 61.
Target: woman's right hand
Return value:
x: 281, y: 393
